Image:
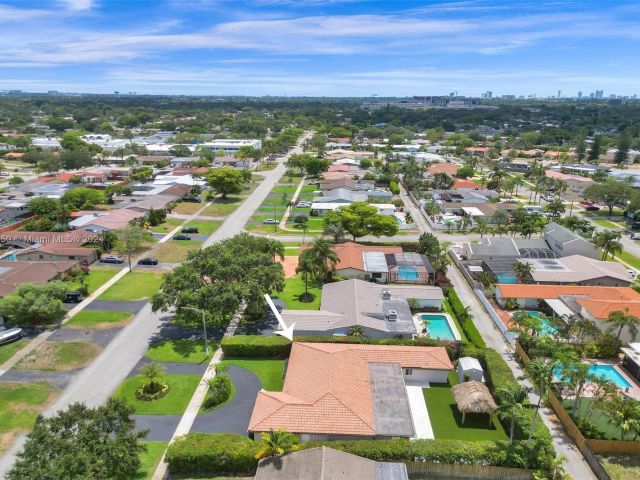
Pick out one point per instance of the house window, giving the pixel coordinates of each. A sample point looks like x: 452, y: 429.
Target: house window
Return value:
x: 408, y: 371
x: 40, y: 257
x: 376, y: 275
x: 72, y: 257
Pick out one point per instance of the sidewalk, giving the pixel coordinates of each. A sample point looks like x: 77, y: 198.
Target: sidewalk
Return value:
x: 287, y: 212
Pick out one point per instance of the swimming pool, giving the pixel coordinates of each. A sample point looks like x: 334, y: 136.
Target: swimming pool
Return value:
x: 506, y: 278
x: 547, y: 327
x: 606, y: 372
x: 438, y: 326
x: 406, y: 272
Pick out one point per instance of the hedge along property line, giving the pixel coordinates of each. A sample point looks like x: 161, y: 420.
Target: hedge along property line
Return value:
x: 228, y: 454
x: 470, y: 330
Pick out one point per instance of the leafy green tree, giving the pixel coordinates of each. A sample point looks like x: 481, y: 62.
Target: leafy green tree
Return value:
x: 335, y: 231
x: 428, y: 245
x: 595, y: 150
x: 81, y: 443
x: 482, y: 226
x: 357, y: 331
x: 60, y: 124
x: 360, y: 219
x: 16, y: 180
x: 441, y: 181
x: 624, y: 413
x: 226, y: 181
x: 180, y: 151
x: 576, y: 376
x: 83, y: 198
x: 620, y: 320
x: 522, y: 270
x: 323, y: 256
x: 555, y: 208
x: 315, y: 166
x: 220, y: 277
x: 130, y: 240
x: 153, y: 373
x: 75, y: 159
x: 624, y: 143
x: 48, y: 208
x: 32, y: 305
x: 297, y: 160
x: 277, y: 442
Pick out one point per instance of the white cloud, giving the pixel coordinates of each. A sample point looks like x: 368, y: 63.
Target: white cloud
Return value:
x: 78, y: 5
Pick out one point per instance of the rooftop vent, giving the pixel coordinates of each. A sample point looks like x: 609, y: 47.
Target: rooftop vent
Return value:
x: 393, y: 315
x: 386, y: 294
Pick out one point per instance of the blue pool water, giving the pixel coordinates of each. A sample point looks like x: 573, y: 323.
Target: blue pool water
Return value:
x: 547, y: 327
x: 607, y: 372
x: 506, y: 278
x: 438, y: 326
x: 408, y: 273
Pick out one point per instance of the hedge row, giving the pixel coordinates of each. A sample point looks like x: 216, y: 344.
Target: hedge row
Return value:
x: 256, y: 346
x: 470, y: 330
x: 215, y: 454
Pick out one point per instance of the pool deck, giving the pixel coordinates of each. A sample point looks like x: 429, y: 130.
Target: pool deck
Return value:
x: 417, y: 320
x: 632, y: 392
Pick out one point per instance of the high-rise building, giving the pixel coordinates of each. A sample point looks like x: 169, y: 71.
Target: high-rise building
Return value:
x: 599, y: 94
x: 580, y: 94
x: 559, y: 93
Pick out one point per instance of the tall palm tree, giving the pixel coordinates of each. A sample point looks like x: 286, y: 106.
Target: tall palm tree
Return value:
x: 482, y: 226
x: 307, y: 267
x: 323, y: 256
x: 609, y: 242
x: 277, y: 442
x: 622, y: 320
x: 501, y: 217
x: 275, y: 249
x: 336, y: 231
x: 576, y: 376
x: 513, y: 402
x: 540, y: 372
x: 465, y: 222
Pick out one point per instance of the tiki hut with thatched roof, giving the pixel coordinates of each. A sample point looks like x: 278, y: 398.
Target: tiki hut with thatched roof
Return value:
x: 473, y: 397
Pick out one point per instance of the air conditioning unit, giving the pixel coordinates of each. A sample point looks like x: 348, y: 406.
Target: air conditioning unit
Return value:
x: 392, y: 315
x: 386, y: 294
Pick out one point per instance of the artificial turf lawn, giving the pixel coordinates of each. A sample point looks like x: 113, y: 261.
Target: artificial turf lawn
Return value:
x: 621, y: 466
x: 269, y: 371
x: 94, y: 279
x: 173, y: 403
x: 134, y: 286
x: 151, y: 458
x: 7, y: 350
x: 59, y: 356
x: 175, y: 251
x: 446, y: 419
x: 100, y: 320
x: 20, y: 404
x: 205, y: 227
x: 293, y: 288
x: 182, y: 351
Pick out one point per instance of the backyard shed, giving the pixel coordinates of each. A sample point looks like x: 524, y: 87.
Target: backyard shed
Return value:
x: 473, y: 397
x: 470, y: 366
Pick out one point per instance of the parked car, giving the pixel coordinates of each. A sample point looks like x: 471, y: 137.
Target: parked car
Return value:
x: 29, y: 194
x: 148, y: 261
x: 192, y: 199
x: 74, y: 297
x: 548, y: 198
x: 591, y: 208
x: 586, y: 202
x: 112, y: 259
x: 635, y: 236
x: 269, y: 221
x: 190, y: 230
x: 303, y: 205
x: 181, y: 236
x: 11, y: 197
x: 10, y: 335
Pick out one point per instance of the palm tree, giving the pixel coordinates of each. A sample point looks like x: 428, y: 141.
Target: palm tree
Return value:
x: 277, y: 442
x: 621, y: 320
x: 501, y: 217
x: 323, y: 256
x: 541, y: 375
x: 513, y: 397
x: 356, y: 331
x: 576, y: 375
x: 275, y: 248
x: 307, y: 267
x: 482, y: 226
x: 336, y: 231
x: 522, y: 271
x: 152, y: 372
x: 623, y: 413
x: 465, y: 222
x: 608, y: 241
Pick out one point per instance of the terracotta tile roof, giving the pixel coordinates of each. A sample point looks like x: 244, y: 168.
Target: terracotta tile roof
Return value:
x: 327, y: 389
x: 464, y: 183
x: 17, y: 273
x: 350, y: 254
x: 338, y: 168
x: 567, y: 177
x: 448, y: 168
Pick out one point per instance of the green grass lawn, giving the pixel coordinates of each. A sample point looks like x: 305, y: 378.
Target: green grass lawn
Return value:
x: 59, y: 356
x: 630, y: 259
x: 173, y: 403
x: 293, y: 288
x: 99, y: 320
x: 219, y: 209
x: 96, y: 277
x: 183, y: 351
x: 175, y: 251
x: 20, y: 404
x: 205, y: 227
x: 167, y: 226
x: 446, y: 420
x: 7, y: 351
x: 604, y: 223
x: 264, y: 167
x: 269, y: 371
x: 621, y: 466
x: 134, y: 286
x: 447, y: 308
x: 187, y: 208
x: 151, y: 458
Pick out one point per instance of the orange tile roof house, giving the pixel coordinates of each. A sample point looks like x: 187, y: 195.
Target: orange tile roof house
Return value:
x: 336, y: 391
x: 448, y: 168
x: 14, y: 274
x: 464, y: 183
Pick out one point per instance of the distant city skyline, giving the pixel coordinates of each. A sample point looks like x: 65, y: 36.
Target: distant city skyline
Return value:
x: 321, y: 47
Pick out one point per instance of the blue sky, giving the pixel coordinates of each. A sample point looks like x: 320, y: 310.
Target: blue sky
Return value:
x: 320, y: 47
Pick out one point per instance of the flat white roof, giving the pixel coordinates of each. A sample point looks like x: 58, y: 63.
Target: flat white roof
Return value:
x: 375, y: 262
x: 473, y: 211
x: 327, y: 205
x: 558, y: 307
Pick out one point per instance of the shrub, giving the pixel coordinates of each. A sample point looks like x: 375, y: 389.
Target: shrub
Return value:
x: 156, y: 393
x: 394, y: 188
x: 212, y: 454
x: 468, y: 327
x: 220, y: 388
x: 256, y: 346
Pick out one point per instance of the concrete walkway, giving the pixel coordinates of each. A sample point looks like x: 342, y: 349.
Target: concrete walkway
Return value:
x: 287, y: 212
x: 419, y: 412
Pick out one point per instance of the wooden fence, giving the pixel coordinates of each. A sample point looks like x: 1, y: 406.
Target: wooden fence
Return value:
x: 476, y: 472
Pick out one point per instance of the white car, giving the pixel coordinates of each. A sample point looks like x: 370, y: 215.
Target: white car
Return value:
x: 548, y: 198
x: 635, y: 236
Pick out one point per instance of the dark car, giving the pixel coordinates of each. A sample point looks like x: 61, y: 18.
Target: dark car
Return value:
x: 190, y: 230
x: 73, y: 297
x: 29, y: 194
x: 112, y: 259
x: 180, y: 236
x: 591, y: 208
x: 148, y: 261
x: 192, y: 199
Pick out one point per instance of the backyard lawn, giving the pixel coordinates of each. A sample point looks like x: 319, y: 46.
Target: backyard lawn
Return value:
x: 173, y: 403
x: 167, y: 226
x: 621, y: 466
x: 7, y: 350
x: 446, y: 420
x: 604, y: 425
x: 293, y: 288
x: 94, y: 279
x: 151, y: 458
x: 99, y: 320
x: 269, y: 371
x: 182, y: 351
x: 175, y: 251
x: 134, y: 286
x: 59, y: 356
x: 20, y: 404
